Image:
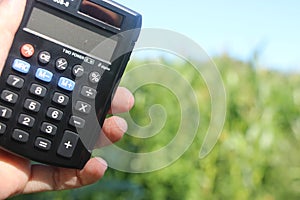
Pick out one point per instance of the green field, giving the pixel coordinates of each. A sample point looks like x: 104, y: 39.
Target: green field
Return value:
x: 256, y: 157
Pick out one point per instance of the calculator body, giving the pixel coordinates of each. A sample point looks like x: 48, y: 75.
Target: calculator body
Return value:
x: 60, y: 76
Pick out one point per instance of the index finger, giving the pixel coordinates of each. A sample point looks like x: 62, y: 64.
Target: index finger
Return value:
x: 123, y: 101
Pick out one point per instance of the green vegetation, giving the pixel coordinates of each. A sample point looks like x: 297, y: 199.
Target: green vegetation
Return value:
x: 256, y: 156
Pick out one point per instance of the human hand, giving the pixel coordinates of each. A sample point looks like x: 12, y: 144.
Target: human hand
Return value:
x: 18, y: 175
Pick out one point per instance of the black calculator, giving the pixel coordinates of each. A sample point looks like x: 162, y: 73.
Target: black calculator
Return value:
x: 60, y: 76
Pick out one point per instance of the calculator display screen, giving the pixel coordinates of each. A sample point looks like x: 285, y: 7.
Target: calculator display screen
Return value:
x: 60, y: 30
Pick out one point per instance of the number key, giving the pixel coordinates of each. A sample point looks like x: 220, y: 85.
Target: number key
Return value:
x: 26, y: 120
x: 2, y: 128
x: 38, y: 90
x: 60, y: 98
x: 32, y: 105
x: 48, y: 128
x: 15, y: 81
x: 5, y: 112
x: 54, y: 113
x: 9, y: 96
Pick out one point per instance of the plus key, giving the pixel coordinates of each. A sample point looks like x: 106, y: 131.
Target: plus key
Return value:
x: 68, y: 144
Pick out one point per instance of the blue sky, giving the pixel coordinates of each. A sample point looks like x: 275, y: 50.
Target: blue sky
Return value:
x: 239, y: 28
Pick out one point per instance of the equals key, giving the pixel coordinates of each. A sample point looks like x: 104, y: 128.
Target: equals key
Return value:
x: 42, y: 143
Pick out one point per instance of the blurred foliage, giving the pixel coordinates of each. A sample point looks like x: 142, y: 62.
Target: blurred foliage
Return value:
x: 255, y: 158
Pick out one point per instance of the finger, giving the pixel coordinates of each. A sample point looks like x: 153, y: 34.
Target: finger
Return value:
x: 113, y: 130
x: 123, y: 101
x: 47, y: 178
x: 9, y: 9
x: 12, y: 166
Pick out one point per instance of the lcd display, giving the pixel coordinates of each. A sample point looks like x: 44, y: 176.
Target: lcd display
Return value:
x: 63, y: 31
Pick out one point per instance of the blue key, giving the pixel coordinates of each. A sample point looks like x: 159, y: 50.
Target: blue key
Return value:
x: 66, y: 84
x: 21, y: 66
x: 44, y: 75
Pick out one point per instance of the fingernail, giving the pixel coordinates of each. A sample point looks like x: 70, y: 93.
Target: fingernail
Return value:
x: 122, y: 124
x: 103, y: 162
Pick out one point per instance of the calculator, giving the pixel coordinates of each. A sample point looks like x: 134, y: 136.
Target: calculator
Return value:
x: 60, y: 76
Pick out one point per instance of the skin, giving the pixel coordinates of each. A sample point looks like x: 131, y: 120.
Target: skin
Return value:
x: 18, y: 175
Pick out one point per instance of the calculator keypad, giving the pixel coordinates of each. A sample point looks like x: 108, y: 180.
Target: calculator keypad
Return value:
x: 38, y: 96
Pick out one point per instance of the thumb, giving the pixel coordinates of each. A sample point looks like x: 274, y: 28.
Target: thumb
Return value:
x: 11, y: 12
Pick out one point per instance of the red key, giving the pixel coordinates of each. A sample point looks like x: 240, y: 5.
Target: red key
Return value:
x: 27, y: 50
